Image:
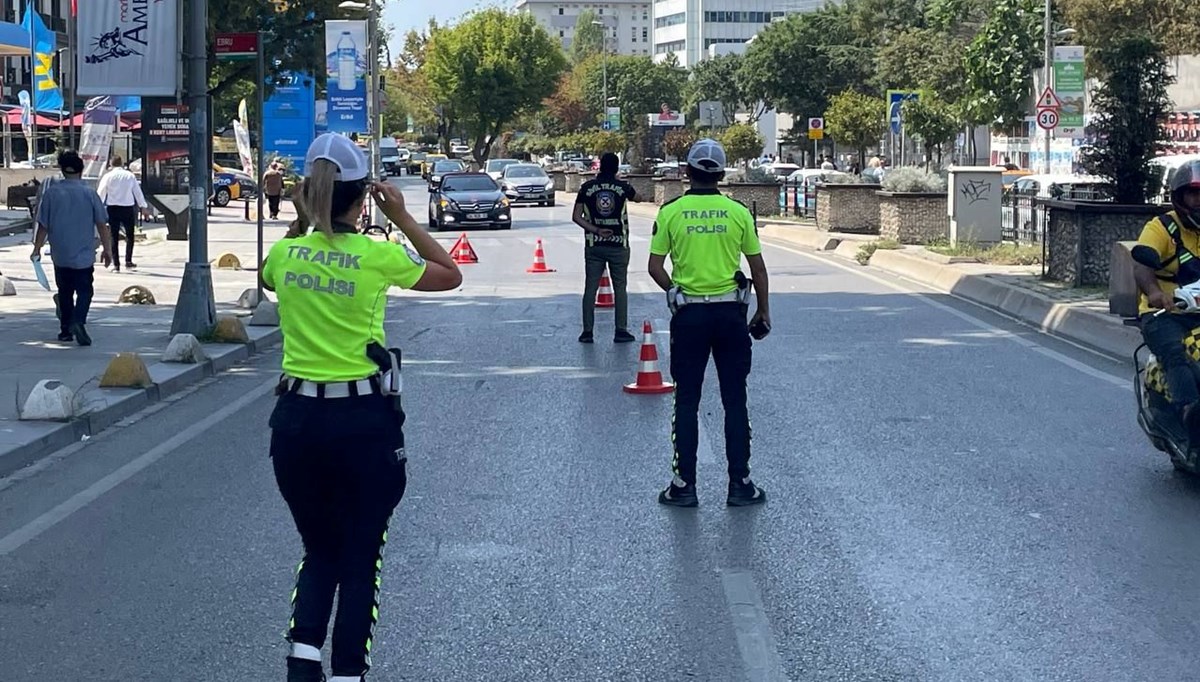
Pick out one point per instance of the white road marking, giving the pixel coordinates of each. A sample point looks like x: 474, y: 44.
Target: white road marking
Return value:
x: 760, y: 654
x: 14, y: 540
x: 1125, y: 384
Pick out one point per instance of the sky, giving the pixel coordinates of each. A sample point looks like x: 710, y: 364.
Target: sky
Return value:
x: 405, y: 15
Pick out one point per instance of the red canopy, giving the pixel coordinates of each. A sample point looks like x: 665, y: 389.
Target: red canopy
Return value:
x: 126, y: 123
x: 14, y: 119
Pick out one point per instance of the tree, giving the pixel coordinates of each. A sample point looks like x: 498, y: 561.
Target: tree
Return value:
x: 678, y: 141
x: 856, y: 120
x: 490, y: 68
x: 999, y: 64
x: 798, y: 64
x: 606, y: 142
x: 639, y: 85
x: 716, y: 80
x: 566, y: 105
x: 923, y: 59
x: 934, y: 122
x: 742, y: 142
x: 1130, y: 106
x: 1175, y: 23
x: 588, y: 40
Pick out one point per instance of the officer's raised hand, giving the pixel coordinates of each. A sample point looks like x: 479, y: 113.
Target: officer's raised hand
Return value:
x: 388, y: 195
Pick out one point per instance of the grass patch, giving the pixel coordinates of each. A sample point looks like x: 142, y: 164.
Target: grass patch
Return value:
x: 998, y: 254
x: 867, y: 250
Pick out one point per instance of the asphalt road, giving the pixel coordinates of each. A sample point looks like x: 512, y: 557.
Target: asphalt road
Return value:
x: 952, y: 498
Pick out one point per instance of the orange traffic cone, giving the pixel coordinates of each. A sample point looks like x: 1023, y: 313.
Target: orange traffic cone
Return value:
x: 462, y: 251
x: 604, y: 297
x: 649, y: 379
x: 539, y: 260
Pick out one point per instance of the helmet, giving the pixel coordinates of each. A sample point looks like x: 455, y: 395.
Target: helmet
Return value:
x: 1186, y: 177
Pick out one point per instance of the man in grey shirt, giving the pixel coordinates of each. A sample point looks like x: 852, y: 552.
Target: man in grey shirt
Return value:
x: 71, y: 214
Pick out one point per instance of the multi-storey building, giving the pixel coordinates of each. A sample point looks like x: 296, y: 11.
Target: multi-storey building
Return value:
x: 17, y: 69
x: 628, y: 24
x: 688, y: 28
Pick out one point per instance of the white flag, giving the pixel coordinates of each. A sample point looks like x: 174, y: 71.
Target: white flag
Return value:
x: 243, y: 145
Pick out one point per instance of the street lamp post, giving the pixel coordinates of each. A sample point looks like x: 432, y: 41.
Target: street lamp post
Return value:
x: 604, y: 55
x: 374, y: 125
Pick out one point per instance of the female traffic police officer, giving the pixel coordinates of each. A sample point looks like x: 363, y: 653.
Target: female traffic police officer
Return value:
x: 337, y: 443
x: 705, y: 234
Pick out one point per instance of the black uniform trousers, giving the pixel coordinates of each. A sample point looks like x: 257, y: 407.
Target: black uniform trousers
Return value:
x: 122, y: 219
x: 340, y: 468
x: 698, y: 330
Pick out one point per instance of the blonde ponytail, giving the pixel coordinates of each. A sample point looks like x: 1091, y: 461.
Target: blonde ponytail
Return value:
x: 316, y: 194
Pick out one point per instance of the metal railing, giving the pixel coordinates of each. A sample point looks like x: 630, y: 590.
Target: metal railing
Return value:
x: 1024, y: 214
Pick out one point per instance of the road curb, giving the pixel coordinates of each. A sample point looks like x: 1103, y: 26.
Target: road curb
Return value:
x: 17, y: 227
x: 1105, y: 334
x: 119, y: 403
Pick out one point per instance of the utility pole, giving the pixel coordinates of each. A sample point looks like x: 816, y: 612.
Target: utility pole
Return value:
x: 195, y: 311
x: 1047, y: 71
x: 262, y: 139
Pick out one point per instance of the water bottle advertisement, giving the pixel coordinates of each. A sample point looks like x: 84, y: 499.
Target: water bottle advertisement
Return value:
x: 346, y: 70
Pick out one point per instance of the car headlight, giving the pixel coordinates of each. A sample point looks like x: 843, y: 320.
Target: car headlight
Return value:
x: 446, y: 203
x: 504, y: 202
x: 437, y: 178
x: 549, y: 184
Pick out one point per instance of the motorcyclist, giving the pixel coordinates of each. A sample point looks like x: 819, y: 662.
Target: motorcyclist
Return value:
x: 1174, y: 239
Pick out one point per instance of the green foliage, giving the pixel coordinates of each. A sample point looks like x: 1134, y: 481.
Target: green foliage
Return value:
x: 758, y: 176
x: 677, y: 142
x: 999, y: 64
x: 933, y: 121
x: 588, y: 40
x: 798, y: 64
x: 923, y: 59
x: 913, y: 180
x: 863, y: 256
x: 639, y: 85
x: 1102, y: 23
x: 742, y: 142
x: 716, y: 80
x: 1130, y: 106
x: 605, y: 141
x: 856, y: 120
x: 996, y: 254
x: 490, y: 68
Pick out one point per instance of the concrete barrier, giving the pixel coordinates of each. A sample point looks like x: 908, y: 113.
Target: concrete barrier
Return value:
x: 137, y: 295
x: 228, y: 261
x: 127, y: 370
x: 249, y: 299
x: 185, y: 349
x: 50, y: 400
x: 230, y: 329
x: 265, y: 315
x: 6, y: 287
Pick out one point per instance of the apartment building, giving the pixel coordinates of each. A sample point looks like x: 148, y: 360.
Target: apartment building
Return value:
x: 15, y: 74
x: 628, y: 23
x: 689, y: 28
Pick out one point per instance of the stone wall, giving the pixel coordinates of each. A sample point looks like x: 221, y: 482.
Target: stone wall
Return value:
x: 643, y: 184
x: 573, y: 182
x: 560, y: 180
x: 848, y: 208
x: 761, y: 198
x: 913, y: 218
x: 666, y: 189
x: 1080, y: 237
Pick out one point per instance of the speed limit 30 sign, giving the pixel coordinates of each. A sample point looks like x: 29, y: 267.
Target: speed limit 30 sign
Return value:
x: 1047, y: 119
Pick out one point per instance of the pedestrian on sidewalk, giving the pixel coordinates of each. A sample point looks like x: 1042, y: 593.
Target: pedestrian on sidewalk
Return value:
x: 71, y: 215
x: 706, y: 234
x: 272, y: 183
x: 122, y: 195
x: 600, y: 209
x: 337, y: 439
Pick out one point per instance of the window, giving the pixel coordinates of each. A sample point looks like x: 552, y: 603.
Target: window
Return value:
x: 562, y: 34
x: 645, y: 15
x: 713, y: 41
x: 670, y: 20
x: 739, y: 17
x: 601, y: 11
x: 674, y: 46
x: 645, y: 33
x: 560, y: 11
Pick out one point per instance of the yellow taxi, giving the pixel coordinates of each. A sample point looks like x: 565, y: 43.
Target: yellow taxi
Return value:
x: 431, y: 159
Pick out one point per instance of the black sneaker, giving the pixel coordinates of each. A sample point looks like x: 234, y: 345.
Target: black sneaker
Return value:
x: 81, y: 335
x: 623, y: 336
x: 678, y: 496
x: 745, y: 493
x: 66, y: 337
x: 586, y: 337
x: 304, y: 670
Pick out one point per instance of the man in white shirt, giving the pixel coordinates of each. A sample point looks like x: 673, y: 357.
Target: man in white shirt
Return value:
x: 122, y: 195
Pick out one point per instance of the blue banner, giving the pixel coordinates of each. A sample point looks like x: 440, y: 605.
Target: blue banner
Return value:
x: 47, y: 96
x: 346, y: 69
x: 289, y: 119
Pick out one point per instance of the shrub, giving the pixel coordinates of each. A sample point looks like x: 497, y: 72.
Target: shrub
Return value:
x: 867, y: 250
x: 758, y: 176
x: 913, y: 180
x: 842, y: 179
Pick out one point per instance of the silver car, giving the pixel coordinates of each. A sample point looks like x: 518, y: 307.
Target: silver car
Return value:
x: 527, y: 183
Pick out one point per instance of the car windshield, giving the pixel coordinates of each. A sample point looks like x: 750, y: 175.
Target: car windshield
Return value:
x: 469, y: 183
x: 499, y: 164
x: 447, y: 166
x: 524, y: 172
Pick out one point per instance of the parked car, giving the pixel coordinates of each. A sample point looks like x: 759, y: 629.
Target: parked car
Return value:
x: 468, y: 199
x: 229, y: 184
x: 527, y: 182
x: 443, y: 168
x: 495, y: 167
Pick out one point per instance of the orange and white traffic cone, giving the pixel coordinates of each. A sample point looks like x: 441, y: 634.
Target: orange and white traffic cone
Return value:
x: 539, y: 260
x: 649, y: 379
x: 605, y: 297
x: 462, y: 251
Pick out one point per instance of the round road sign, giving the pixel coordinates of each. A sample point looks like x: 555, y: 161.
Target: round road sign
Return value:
x: 1047, y: 119
x: 816, y: 123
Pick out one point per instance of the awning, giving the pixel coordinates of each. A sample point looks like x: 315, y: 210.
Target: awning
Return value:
x: 14, y: 40
x: 14, y: 120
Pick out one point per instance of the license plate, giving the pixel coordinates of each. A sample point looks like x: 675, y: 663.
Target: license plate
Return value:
x: 476, y: 216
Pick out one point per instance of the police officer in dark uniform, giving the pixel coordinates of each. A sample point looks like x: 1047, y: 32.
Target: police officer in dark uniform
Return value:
x: 706, y: 234
x: 337, y: 441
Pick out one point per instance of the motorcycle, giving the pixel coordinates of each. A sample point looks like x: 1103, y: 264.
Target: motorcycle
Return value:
x: 1157, y: 416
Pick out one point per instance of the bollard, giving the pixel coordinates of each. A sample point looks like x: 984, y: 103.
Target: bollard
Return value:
x: 6, y: 287
x: 230, y: 329
x: 246, y: 214
x: 50, y: 400
x: 228, y: 261
x: 135, y: 294
x: 184, y: 348
x: 127, y: 370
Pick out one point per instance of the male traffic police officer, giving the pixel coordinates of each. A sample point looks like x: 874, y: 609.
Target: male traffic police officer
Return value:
x: 705, y: 234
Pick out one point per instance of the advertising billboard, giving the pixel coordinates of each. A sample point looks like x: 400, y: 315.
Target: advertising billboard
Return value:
x: 289, y: 120
x: 165, y: 135
x: 346, y: 59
